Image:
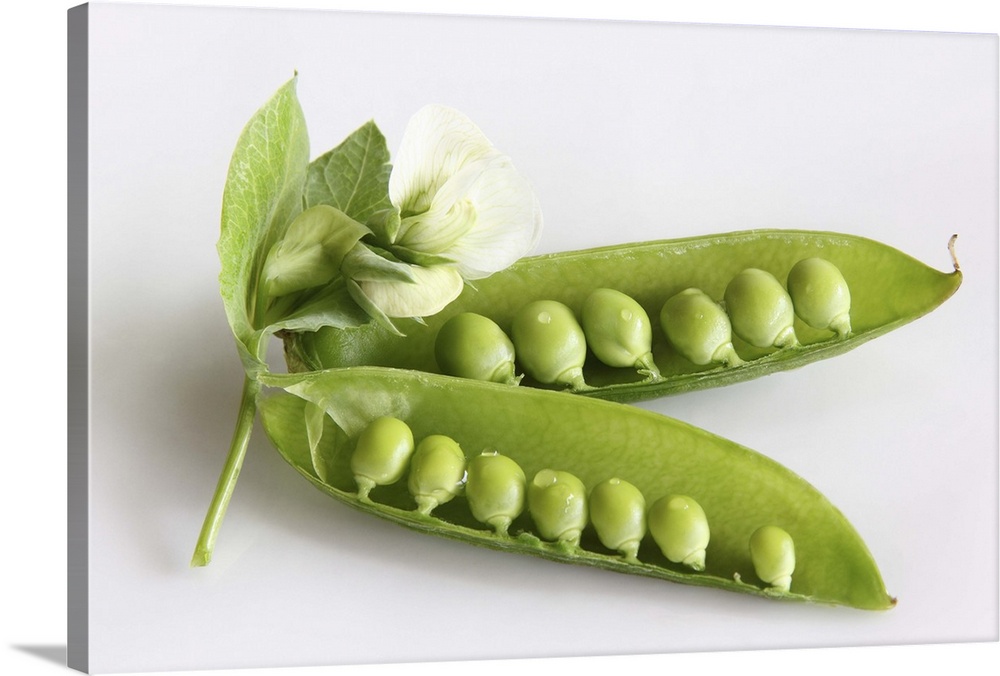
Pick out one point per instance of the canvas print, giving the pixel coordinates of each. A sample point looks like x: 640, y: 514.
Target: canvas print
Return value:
x: 604, y: 337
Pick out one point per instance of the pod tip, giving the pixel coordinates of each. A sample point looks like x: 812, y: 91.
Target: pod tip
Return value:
x: 951, y: 250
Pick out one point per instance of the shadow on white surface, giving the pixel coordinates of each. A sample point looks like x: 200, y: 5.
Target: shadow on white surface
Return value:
x: 50, y: 653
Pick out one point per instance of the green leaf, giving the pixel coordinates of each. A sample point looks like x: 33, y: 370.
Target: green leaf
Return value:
x: 263, y: 193
x: 354, y: 176
x: 331, y: 306
x: 311, y: 251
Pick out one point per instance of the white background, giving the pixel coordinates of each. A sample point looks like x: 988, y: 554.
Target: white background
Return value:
x: 881, y: 135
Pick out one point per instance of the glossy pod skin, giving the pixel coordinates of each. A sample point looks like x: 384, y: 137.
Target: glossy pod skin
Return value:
x: 594, y: 440
x: 888, y: 290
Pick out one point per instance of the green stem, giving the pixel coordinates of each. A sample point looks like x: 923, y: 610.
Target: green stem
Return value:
x: 230, y: 473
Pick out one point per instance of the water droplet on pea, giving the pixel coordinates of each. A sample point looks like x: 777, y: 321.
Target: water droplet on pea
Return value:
x: 550, y: 344
x: 618, y: 331
x: 698, y: 328
x: 557, y: 502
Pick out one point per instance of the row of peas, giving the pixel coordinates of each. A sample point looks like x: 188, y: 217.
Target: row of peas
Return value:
x: 497, y: 492
x: 551, y: 345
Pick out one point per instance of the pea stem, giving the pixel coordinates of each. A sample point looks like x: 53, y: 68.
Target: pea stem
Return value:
x: 647, y: 367
x: 230, y: 473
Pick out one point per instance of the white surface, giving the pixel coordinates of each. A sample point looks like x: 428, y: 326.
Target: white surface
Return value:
x: 897, y: 142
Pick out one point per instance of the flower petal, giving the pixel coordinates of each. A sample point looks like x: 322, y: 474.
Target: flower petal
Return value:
x: 508, y: 221
x: 450, y: 215
x: 429, y: 292
x: 437, y: 143
x: 363, y: 264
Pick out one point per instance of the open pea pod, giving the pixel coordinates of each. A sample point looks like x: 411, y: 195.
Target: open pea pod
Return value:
x: 888, y: 289
x: 738, y: 489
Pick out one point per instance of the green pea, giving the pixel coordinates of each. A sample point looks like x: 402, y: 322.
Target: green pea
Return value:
x: 437, y: 472
x: 773, y: 554
x: 495, y: 488
x: 618, y: 512
x: 760, y: 309
x: 550, y: 344
x: 558, y: 505
x: 820, y: 295
x: 618, y: 331
x: 470, y: 345
x: 698, y: 328
x: 380, y: 457
x: 679, y: 526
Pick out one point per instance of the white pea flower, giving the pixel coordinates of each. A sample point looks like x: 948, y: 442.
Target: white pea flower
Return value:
x: 460, y: 199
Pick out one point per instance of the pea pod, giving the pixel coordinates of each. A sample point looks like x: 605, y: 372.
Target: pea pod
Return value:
x: 594, y: 440
x: 888, y: 290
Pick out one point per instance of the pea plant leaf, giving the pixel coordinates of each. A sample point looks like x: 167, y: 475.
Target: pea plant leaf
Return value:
x: 312, y: 250
x: 263, y: 193
x: 303, y: 272
x: 328, y: 306
x: 354, y: 176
